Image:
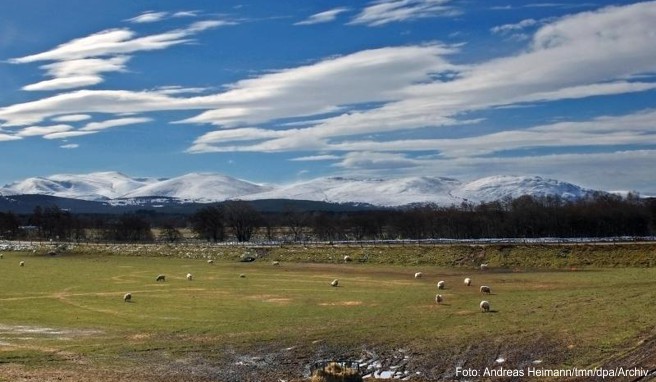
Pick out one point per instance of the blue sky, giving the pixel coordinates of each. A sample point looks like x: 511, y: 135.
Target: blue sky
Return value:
x: 280, y: 91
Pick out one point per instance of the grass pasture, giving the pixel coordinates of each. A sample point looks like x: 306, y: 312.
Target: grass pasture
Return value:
x: 64, y: 317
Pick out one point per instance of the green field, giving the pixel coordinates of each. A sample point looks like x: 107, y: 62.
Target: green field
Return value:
x: 63, y: 317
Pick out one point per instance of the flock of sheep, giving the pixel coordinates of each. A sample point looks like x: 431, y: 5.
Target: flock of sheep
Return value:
x: 484, y: 305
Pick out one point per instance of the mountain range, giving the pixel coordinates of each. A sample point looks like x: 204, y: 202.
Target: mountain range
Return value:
x: 119, y: 189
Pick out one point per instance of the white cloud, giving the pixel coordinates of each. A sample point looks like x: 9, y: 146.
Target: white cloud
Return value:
x: 377, y: 161
x: 86, y: 66
x: 64, y: 83
x: 71, y: 118
x: 149, y: 17
x: 507, y: 28
x: 68, y: 134
x: 79, y: 62
x: 200, y: 26
x: 322, y: 17
x: 94, y: 126
x: 174, y: 89
x: 374, y: 75
x: 185, y: 14
x: 70, y: 146
x: 8, y: 137
x: 152, y: 16
x: 43, y: 130
x: 636, y: 129
x: 383, y: 12
x: 93, y: 101
x: 315, y: 158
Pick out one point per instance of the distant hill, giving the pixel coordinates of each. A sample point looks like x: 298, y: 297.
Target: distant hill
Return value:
x: 113, y: 191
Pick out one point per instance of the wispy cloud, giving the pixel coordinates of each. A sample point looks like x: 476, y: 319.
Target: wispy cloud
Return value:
x: 322, y: 17
x: 70, y: 146
x: 43, y: 130
x: 72, y: 118
x: 80, y: 62
x: 67, y: 134
x: 507, y: 28
x: 153, y: 16
x: 8, y: 137
x: 149, y: 17
x: 377, y: 161
x: 94, y: 126
x: 316, y: 158
x: 383, y: 12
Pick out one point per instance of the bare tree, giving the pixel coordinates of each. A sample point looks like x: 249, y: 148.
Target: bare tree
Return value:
x: 242, y: 218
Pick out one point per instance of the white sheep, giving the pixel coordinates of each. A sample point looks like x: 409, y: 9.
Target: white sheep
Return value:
x: 485, y: 306
x: 22, y: 263
x: 335, y: 283
x: 484, y: 267
x: 440, y: 285
x: 347, y: 258
x: 419, y: 275
x: 190, y: 276
x: 2, y: 255
x: 160, y: 278
x: 467, y: 281
x: 210, y: 261
x: 127, y: 297
x: 439, y: 298
x: 276, y: 263
x: 242, y: 275
x: 485, y: 289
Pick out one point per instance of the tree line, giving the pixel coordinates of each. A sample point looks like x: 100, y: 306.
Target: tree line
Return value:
x: 600, y: 215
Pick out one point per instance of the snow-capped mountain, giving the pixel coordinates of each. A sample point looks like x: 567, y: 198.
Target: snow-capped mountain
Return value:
x: 199, y: 187
x: 382, y: 192
x: 498, y: 187
x: 93, y: 186
x: 209, y: 187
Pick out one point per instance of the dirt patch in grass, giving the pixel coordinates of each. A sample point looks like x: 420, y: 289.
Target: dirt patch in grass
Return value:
x: 341, y: 303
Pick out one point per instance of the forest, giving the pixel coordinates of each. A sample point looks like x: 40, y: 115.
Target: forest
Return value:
x: 600, y: 215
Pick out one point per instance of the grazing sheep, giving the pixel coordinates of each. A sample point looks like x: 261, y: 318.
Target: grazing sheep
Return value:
x: 418, y: 275
x: 440, y: 285
x: 189, y: 276
x: 334, y: 283
x: 484, y: 267
x: 485, y: 306
x: 485, y: 289
x: 210, y: 261
x: 275, y: 263
x: 22, y: 263
x: 468, y: 281
x: 242, y: 275
x: 1, y: 255
x: 347, y: 258
x: 127, y: 297
x: 439, y: 298
x: 160, y: 278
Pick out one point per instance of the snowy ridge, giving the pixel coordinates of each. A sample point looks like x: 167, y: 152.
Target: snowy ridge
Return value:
x: 210, y: 187
x: 93, y: 186
x: 382, y: 192
x: 499, y: 187
x: 199, y: 187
